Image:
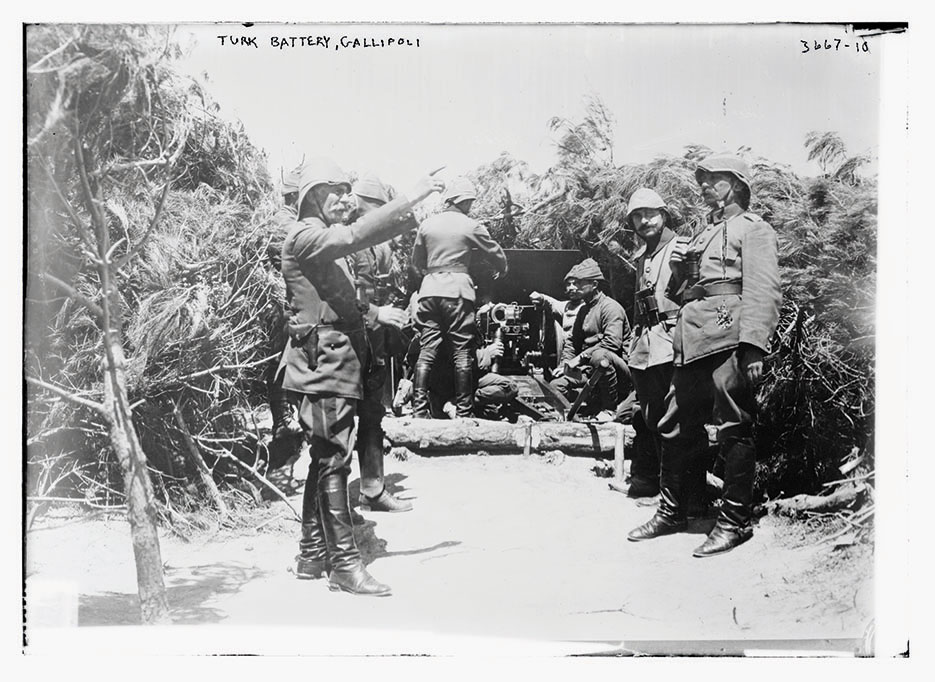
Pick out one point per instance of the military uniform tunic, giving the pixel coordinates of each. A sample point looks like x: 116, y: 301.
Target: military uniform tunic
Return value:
x: 739, y: 259
x: 327, y: 347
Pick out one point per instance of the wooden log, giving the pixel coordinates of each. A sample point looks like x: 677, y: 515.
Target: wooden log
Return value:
x: 459, y: 436
x: 844, y: 498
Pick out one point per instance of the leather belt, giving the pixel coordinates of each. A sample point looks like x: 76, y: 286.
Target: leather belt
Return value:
x: 663, y: 316
x: 446, y: 268
x: 700, y: 291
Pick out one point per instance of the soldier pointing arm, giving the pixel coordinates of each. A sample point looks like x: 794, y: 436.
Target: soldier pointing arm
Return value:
x: 326, y: 355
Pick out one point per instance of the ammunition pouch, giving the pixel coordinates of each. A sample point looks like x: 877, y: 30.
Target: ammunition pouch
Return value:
x: 305, y: 336
x: 700, y: 291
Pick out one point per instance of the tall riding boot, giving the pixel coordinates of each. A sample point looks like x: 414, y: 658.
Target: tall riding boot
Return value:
x: 312, y: 561
x: 670, y: 517
x: 347, y: 568
x: 696, y: 483
x: 464, y: 390
x: 733, y: 525
x: 644, y: 467
x: 373, y: 493
x: 420, y: 393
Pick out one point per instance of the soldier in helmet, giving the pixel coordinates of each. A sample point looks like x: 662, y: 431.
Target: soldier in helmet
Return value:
x: 443, y: 252
x: 285, y: 424
x: 650, y: 359
x: 368, y: 266
x: 727, y: 279
x: 326, y: 354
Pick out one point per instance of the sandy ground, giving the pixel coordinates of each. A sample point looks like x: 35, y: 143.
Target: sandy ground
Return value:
x: 497, y: 548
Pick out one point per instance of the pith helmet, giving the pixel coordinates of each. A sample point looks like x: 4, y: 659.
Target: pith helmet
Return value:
x: 726, y: 163
x: 370, y: 187
x: 290, y: 181
x: 321, y: 172
x: 645, y: 198
x: 460, y: 189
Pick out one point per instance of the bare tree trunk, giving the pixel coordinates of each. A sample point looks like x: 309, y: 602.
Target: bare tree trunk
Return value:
x: 141, y: 510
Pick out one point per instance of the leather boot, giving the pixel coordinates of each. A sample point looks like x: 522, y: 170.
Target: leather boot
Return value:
x: 733, y: 527
x: 670, y: 516
x: 312, y: 561
x: 370, y: 456
x: 464, y: 390
x: 696, y: 500
x: 644, y: 467
x: 420, y: 393
x: 347, y: 568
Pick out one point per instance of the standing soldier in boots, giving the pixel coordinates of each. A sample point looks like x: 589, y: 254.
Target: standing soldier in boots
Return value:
x: 728, y: 280
x: 443, y: 252
x: 367, y: 266
x: 283, y: 411
x: 650, y: 359
x: 326, y: 355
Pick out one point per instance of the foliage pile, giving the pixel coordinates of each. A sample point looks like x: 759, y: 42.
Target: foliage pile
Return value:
x: 198, y: 299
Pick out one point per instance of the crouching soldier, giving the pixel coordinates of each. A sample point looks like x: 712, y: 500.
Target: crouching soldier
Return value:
x: 728, y: 281
x: 326, y: 355
x: 599, y: 341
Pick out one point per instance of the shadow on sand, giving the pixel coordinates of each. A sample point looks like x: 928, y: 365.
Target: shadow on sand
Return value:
x: 188, y: 589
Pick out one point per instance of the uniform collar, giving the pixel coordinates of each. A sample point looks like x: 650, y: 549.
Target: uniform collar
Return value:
x: 719, y: 215
x: 667, y: 236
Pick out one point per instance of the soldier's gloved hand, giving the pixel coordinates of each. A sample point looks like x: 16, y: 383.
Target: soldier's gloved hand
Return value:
x: 426, y: 186
x: 496, y: 349
x: 391, y: 316
x: 536, y: 297
x: 751, y: 363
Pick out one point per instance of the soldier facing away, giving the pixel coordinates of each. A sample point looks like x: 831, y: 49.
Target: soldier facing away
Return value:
x: 326, y: 355
x: 727, y: 279
x: 443, y: 253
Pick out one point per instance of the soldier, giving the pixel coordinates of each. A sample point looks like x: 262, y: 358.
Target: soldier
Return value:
x: 367, y: 266
x: 443, y: 252
x: 601, y: 333
x: 650, y: 358
x: 325, y: 357
x: 728, y: 281
x: 281, y: 408
x: 565, y: 313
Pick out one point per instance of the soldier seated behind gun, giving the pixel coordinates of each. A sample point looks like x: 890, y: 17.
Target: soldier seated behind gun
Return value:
x: 565, y: 313
x: 599, y: 339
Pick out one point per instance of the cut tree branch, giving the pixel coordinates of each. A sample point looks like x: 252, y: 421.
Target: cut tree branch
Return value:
x: 71, y: 397
x: 199, y: 462
x: 73, y: 293
x: 224, y: 368
x: 262, y: 479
